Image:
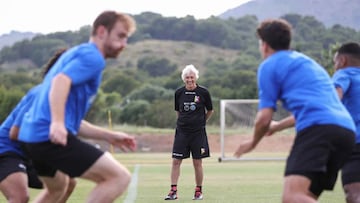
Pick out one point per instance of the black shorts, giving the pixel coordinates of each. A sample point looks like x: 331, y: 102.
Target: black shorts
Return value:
x: 13, y: 163
x: 318, y: 153
x: 73, y: 159
x: 195, y: 142
x: 351, y: 168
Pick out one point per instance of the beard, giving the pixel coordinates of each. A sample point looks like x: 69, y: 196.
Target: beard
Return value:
x: 113, y: 52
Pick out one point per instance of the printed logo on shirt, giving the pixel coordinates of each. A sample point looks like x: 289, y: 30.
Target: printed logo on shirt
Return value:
x: 186, y: 107
x: 197, y: 99
x: 189, y: 106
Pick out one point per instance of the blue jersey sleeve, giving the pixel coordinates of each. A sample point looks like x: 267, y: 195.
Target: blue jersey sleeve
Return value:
x: 84, y: 67
x: 342, y: 80
x: 267, y: 85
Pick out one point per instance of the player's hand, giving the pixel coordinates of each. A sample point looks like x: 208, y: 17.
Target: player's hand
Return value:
x: 124, y: 141
x: 58, y: 133
x: 274, y: 127
x: 244, y: 147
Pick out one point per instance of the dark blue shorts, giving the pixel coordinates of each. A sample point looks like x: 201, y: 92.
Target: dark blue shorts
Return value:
x: 195, y: 142
x: 73, y: 159
x: 318, y: 153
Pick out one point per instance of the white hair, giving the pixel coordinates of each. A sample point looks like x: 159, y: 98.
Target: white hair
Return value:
x: 187, y: 70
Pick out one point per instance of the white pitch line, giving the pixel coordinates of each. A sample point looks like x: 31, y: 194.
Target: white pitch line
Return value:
x: 132, y: 190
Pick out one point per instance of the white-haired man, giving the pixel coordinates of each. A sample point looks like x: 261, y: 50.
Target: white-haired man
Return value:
x: 194, y: 107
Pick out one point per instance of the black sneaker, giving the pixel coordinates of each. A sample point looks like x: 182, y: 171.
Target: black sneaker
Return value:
x: 172, y: 195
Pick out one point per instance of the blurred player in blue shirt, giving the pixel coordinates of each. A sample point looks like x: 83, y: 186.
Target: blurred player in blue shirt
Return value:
x: 324, y: 128
x: 51, y: 128
x: 347, y: 82
x: 17, y: 172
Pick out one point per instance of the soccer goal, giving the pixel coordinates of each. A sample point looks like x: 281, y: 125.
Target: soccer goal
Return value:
x: 237, y: 119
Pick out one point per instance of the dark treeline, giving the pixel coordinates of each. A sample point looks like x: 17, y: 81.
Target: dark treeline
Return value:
x: 141, y: 92
x: 239, y: 34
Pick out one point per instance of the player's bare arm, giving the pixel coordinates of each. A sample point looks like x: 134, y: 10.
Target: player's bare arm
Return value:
x: 119, y: 139
x: 276, y: 126
x: 58, y: 95
x: 262, y: 123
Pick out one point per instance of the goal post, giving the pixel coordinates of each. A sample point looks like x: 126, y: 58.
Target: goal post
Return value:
x: 237, y: 119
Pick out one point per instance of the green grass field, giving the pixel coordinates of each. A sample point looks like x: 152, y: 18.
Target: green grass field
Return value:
x: 230, y: 182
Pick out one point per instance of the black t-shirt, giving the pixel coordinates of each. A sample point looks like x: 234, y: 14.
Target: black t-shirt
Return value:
x: 192, y: 106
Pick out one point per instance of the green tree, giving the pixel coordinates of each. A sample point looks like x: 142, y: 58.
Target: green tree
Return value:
x: 21, y: 81
x: 173, y: 82
x: 246, y: 62
x: 214, y: 29
x: 104, y: 102
x: 98, y: 111
x: 121, y: 83
x: 134, y: 112
x: 327, y: 58
x: 216, y: 67
x: 8, y: 101
x: 218, y: 91
x: 156, y: 66
x: 187, y: 25
x: 161, y: 114
x: 149, y: 93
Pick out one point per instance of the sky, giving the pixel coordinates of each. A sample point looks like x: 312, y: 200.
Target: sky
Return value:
x: 47, y: 16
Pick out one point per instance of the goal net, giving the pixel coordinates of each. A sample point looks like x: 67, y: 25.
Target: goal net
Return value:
x: 237, y: 124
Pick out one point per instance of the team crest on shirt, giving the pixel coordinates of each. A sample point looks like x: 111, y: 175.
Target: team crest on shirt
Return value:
x: 202, y: 150
x: 197, y: 99
x: 189, y: 106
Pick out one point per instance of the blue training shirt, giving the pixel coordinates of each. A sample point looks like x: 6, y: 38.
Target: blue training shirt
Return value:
x: 348, y: 79
x: 15, y: 118
x: 83, y: 64
x: 304, y: 88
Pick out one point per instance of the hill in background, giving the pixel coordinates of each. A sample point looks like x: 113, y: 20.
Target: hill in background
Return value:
x: 329, y: 12
x: 179, y: 52
x: 14, y: 36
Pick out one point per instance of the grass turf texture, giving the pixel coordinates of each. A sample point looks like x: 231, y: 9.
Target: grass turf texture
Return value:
x: 231, y: 182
